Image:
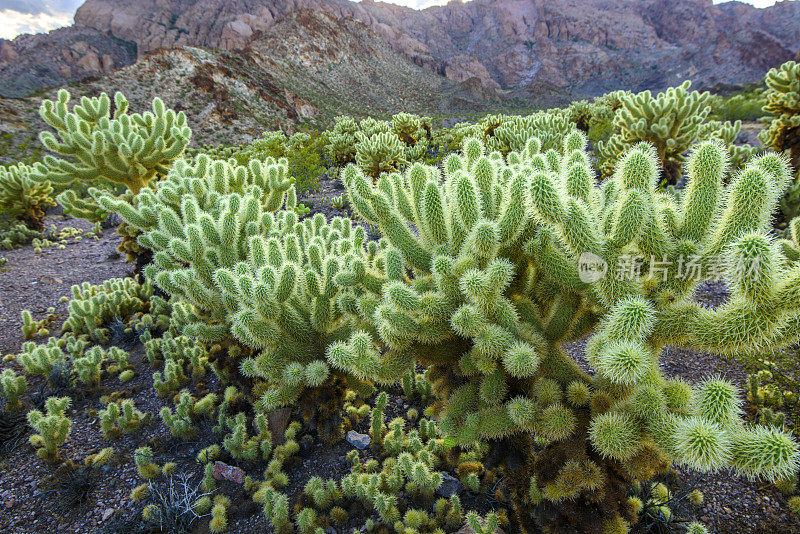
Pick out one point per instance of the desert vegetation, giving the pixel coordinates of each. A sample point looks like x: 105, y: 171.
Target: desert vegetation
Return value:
x: 580, y: 319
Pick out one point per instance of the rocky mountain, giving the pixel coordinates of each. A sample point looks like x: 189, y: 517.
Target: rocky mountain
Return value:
x: 303, y: 70
x: 31, y: 62
x: 581, y: 46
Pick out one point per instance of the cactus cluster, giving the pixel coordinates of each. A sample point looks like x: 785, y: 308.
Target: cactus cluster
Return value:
x: 187, y: 408
x: 12, y: 387
x: 400, y: 490
x: 488, y: 265
x: 23, y: 198
x: 121, y: 417
x: 42, y: 359
x: 263, y: 280
x: 32, y: 328
x: 17, y: 235
x: 672, y: 122
x: 379, y: 146
x: 481, y: 275
x: 513, y: 134
x: 93, y: 308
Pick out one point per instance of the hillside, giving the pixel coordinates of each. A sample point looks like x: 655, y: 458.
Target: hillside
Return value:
x: 303, y: 70
x: 587, y: 46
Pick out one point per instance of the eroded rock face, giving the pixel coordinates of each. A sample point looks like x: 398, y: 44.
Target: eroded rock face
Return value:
x: 582, y: 44
x: 30, y: 62
x: 586, y: 46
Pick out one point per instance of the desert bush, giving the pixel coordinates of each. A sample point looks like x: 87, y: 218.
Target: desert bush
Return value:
x: 744, y: 106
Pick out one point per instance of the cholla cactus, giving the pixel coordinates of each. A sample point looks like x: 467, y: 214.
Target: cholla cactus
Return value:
x: 242, y: 446
x: 670, y: 121
x: 123, y: 149
x: 40, y: 359
x: 89, y: 367
x: 32, y: 328
x: 175, y: 353
x: 121, y: 417
x: 219, y: 514
x: 379, y: 146
x: 341, y: 140
x: 376, y: 421
x: 264, y: 281
x: 53, y: 427
x: 93, y: 308
x: 487, y: 288
x: 783, y: 102
x: 17, y: 236
x: 379, y: 153
x: 22, y: 197
x: 550, y: 127
x: 143, y: 458
x: 726, y: 133
x: 12, y: 387
x: 202, y: 216
x: 180, y: 421
x: 411, y: 129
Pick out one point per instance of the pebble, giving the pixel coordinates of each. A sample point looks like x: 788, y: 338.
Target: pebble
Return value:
x: 359, y: 441
x: 223, y: 471
x: 449, y: 486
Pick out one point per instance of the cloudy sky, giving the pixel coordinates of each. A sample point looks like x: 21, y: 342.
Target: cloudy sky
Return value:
x: 35, y: 16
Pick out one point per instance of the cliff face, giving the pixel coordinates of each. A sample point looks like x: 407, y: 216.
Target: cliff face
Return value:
x: 30, y: 62
x: 581, y: 45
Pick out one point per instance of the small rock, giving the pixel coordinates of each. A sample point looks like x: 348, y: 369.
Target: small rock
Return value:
x: 108, y: 513
x: 450, y: 485
x: 223, y: 471
x: 359, y: 441
x: 9, y: 503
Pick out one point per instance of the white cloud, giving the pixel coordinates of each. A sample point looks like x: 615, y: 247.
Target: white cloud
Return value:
x: 13, y: 23
x: 757, y: 3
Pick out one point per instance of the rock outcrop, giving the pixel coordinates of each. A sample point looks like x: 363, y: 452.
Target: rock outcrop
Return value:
x: 300, y: 72
x: 31, y: 62
x: 585, y: 46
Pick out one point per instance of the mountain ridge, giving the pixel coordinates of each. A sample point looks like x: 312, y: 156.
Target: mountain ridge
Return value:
x: 582, y: 46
